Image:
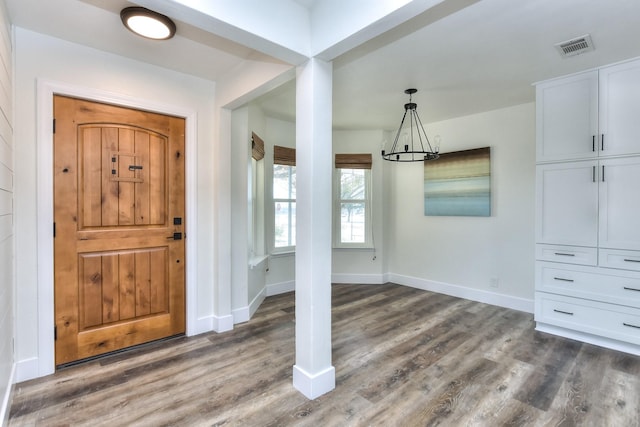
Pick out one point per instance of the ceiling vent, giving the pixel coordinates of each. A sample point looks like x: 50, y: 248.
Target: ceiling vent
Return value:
x: 575, y: 46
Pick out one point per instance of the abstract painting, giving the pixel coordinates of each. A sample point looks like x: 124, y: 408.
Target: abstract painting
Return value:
x: 458, y: 184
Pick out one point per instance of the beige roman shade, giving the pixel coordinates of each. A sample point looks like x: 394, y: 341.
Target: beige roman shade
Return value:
x: 353, y: 161
x: 257, y: 147
x: 284, y: 156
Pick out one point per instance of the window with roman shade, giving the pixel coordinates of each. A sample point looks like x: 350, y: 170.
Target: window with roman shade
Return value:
x: 257, y: 147
x: 352, y: 207
x: 284, y: 198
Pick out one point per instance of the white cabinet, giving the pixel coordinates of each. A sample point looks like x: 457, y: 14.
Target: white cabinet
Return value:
x: 619, y: 107
x: 588, y: 115
x: 567, y: 118
x: 588, y: 206
x: 619, y: 185
x: 562, y: 223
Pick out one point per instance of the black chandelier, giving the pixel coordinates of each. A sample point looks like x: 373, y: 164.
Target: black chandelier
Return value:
x: 412, y: 149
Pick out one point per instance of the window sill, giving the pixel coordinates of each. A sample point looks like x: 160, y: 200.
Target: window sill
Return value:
x: 355, y: 248
x: 256, y: 260
x: 285, y: 253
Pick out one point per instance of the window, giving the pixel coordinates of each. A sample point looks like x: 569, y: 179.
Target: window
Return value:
x: 352, y: 217
x: 256, y: 196
x: 284, y: 198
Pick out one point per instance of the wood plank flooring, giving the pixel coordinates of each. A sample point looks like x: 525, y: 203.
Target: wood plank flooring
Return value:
x: 403, y: 357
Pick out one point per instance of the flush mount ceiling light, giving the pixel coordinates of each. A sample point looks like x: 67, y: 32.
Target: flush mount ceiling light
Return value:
x: 415, y: 146
x: 147, y: 23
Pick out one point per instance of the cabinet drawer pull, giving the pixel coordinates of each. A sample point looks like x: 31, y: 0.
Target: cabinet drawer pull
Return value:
x: 631, y: 260
x: 593, y: 143
x: 602, y: 173
x: 563, y: 312
x: 602, y: 146
x: 631, y: 289
x: 563, y: 254
x: 563, y: 280
x: 631, y: 326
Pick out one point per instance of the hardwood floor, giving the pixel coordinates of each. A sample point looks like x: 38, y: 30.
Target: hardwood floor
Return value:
x: 403, y: 357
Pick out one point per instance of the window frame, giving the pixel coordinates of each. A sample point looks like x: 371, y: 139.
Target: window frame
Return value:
x: 291, y: 224
x: 337, y: 209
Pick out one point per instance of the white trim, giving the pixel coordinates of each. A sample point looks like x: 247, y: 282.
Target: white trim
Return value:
x: 27, y: 369
x: 337, y: 205
x: 589, y: 338
x: 6, y: 400
x: 280, y: 288
x: 255, y: 303
x: 213, y: 323
x: 240, y: 315
x: 313, y: 386
x: 256, y: 260
x: 44, y: 192
x: 501, y: 300
x: 244, y: 314
x: 222, y: 323
x: 364, y: 279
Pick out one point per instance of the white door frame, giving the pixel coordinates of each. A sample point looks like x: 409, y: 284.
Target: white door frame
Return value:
x: 44, y: 192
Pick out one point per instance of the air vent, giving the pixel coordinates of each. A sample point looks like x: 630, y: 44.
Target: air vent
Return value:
x: 575, y: 46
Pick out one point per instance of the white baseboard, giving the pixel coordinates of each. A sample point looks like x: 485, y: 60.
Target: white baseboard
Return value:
x: 244, y: 314
x: 6, y: 400
x: 223, y: 323
x: 28, y: 369
x: 240, y: 315
x: 588, y: 338
x: 487, y: 297
x: 255, y: 303
x: 361, y: 279
x: 211, y: 323
x: 280, y: 288
x: 201, y: 325
x: 313, y: 386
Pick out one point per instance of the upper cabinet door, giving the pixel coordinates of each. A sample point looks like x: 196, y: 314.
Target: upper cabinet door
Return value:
x: 620, y: 109
x: 567, y: 118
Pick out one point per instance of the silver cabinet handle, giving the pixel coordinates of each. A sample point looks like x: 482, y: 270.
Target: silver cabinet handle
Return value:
x: 563, y: 254
x: 563, y: 280
x: 593, y: 174
x: 563, y: 312
x: 631, y: 260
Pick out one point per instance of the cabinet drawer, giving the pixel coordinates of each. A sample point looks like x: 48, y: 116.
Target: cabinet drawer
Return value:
x: 606, y: 320
x: 614, y: 258
x: 617, y: 287
x: 568, y: 254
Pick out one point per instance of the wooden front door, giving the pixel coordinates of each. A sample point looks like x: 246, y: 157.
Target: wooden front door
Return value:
x: 119, y: 213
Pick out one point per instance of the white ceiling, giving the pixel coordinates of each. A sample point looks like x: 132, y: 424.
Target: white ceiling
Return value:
x: 482, y: 57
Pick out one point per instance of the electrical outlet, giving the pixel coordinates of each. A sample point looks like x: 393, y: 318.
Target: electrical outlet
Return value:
x: 494, y: 282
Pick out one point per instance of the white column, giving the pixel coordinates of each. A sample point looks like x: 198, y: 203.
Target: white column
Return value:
x: 313, y: 374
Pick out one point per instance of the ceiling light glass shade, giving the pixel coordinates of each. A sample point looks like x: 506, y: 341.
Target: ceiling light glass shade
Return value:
x: 411, y: 143
x: 147, y: 23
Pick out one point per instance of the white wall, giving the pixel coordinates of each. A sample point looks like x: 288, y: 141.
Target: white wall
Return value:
x: 446, y: 253
x: 43, y: 57
x: 6, y: 215
x: 281, y: 274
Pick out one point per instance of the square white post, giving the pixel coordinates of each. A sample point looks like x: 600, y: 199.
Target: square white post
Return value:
x: 313, y: 374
